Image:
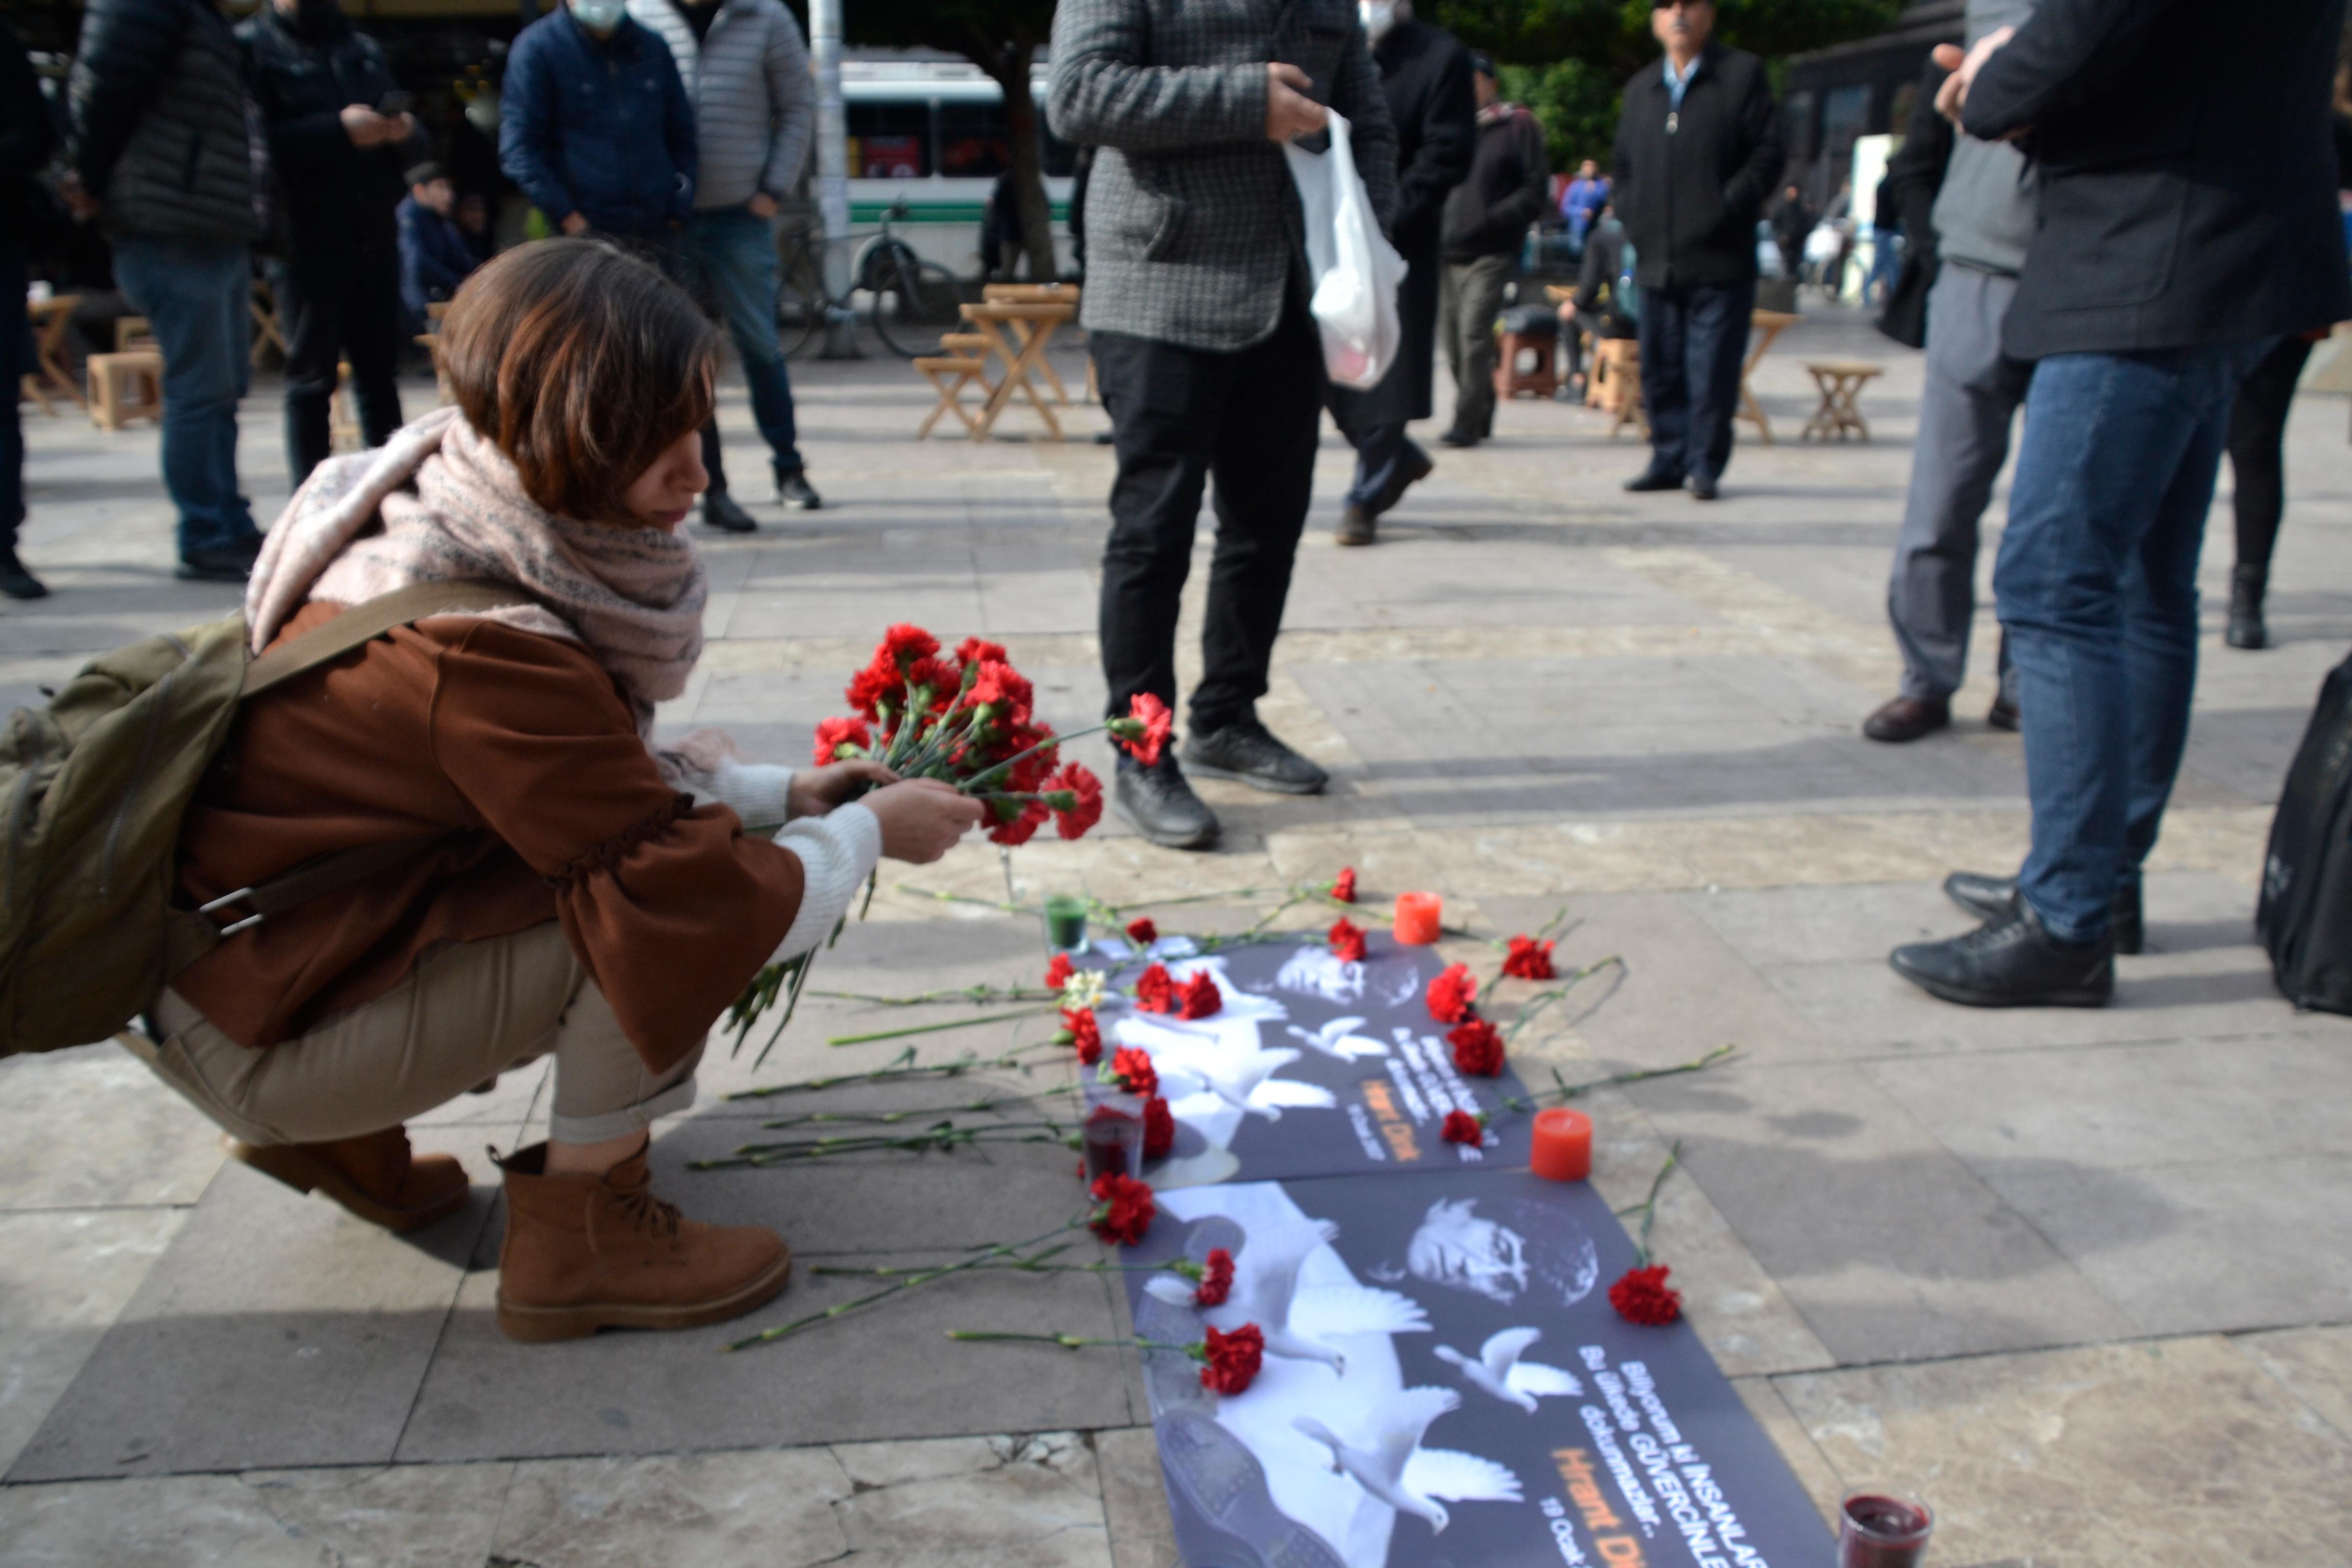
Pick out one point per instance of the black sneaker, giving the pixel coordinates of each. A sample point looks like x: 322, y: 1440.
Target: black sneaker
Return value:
x: 15, y: 581
x: 1415, y: 467
x: 1653, y: 479
x: 1242, y: 750
x: 223, y: 563
x: 793, y: 490
x: 1358, y: 525
x: 1157, y: 803
x: 1988, y: 898
x: 2011, y: 961
x: 1702, y: 487
x: 721, y: 511
x: 1458, y: 438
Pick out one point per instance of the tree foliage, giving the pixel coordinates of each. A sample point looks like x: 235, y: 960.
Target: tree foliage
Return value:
x: 1612, y: 36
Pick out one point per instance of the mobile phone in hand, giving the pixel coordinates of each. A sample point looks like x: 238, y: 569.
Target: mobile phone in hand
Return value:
x: 396, y: 103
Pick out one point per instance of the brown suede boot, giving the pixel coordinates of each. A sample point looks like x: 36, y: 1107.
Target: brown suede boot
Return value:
x: 585, y: 1253
x: 374, y: 1176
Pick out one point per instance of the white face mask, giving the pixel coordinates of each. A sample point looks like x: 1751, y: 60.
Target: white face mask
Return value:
x: 599, y: 15
x: 1378, y: 15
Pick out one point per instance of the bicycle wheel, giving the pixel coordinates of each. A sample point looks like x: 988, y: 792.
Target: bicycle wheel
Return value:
x: 914, y: 302
x: 799, y: 301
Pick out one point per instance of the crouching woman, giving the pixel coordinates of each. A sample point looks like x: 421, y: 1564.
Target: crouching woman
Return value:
x: 576, y: 892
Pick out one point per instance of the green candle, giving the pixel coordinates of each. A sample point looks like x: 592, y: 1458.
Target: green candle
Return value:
x: 1066, y: 922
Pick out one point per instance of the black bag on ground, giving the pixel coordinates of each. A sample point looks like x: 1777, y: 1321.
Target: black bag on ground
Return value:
x: 2305, y: 919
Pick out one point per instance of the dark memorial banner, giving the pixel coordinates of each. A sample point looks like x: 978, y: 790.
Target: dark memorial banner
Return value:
x: 1445, y: 1384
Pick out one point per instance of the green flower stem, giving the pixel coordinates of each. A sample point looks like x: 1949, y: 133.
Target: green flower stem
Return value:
x: 990, y: 1251
x: 1537, y: 1003
x: 982, y: 995
x: 1031, y: 1263
x: 1648, y: 1207
x: 1007, y: 906
x: 891, y: 1118
x: 934, y: 1028
x: 1566, y: 1091
x: 899, y: 1068
x: 1070, y: 1341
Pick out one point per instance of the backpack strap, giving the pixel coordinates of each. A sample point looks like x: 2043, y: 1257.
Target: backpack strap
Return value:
x: 365, y: 622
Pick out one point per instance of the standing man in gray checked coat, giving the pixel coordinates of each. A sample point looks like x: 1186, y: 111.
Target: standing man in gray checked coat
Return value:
x: 1209, y: 364
x: 746, y: 72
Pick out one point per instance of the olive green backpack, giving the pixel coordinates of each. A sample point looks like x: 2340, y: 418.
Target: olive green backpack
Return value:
x: 93, y: 788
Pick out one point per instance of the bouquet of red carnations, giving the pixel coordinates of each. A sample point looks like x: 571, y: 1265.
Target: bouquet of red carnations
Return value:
x: 966, y: 721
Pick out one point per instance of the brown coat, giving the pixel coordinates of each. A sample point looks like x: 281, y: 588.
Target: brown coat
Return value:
x: 518, y: 746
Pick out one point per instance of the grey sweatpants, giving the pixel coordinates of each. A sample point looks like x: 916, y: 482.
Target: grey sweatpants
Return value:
x: 1469, y: 297
x: 1972, y: 392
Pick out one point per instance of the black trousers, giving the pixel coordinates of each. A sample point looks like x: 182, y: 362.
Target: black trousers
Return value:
x: 338, y: 297
x: 1180, y: 416
x: 2258, y: 448
x: 1693, y: 342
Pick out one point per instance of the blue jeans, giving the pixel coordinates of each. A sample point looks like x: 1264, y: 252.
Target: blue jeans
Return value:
x: 1693, y: 342
x: 2096, y: 585
x: 1383, y: 452
x: 196, y: 293
x: 734, y: 254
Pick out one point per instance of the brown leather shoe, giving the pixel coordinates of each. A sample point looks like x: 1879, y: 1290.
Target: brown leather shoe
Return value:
x: 374, y: 1176
x: 1906, y: 719
x: 585, y: 1253
x: 1358, y: 525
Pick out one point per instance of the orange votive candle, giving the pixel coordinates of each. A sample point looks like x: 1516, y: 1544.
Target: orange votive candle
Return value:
x: 1563, y: 1146
x: 1417, y: 918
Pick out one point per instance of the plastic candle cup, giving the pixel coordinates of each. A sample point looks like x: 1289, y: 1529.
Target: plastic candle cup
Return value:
x: 1877, y: 1530
x: 1563, y: 1146
x: 1066, y: 922
x: 1417, y: 918
x: 1113, y: 1130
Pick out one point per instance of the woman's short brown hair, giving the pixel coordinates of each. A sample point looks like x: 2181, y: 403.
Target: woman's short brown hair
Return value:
x: 582, y: 362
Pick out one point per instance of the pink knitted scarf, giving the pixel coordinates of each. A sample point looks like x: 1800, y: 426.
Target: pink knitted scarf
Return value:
x: 439, y: 500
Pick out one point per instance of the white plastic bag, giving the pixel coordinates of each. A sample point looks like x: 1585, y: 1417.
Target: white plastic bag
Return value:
x: 1356, y: 270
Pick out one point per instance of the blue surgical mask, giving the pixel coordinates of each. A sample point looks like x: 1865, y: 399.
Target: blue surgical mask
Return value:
x: 600, y: 15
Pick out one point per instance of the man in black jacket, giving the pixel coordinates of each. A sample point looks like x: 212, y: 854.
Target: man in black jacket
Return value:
x: 2187, y: 220
x: 25, y: 139
x: 1698, y: 148
x: 1481, y: 236
x: 160, y: 155
x: 323, y: 86
x: 1425, y: 76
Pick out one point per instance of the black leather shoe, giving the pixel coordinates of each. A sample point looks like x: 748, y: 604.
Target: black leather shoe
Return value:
x: 2011, y: 961
x: 1460, y: 437
x: 1157, y: 803
x: 1989, y: 896
x: 1701, y: 487
x: 226, y: 564
x: 1242, y: 750
x: 793, y: 489
x: 1415, y: 467
x: 2247, y: 587
x: 1358, y: 525
x: 1653, y: 479
x: 15, y: 581
x: 720, y: 512
x: 1906, y: 719
x: 2003, y: 715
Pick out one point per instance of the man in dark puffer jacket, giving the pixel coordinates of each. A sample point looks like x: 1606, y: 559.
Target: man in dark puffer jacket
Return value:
x: 161, y: 153
x: 319, y: 83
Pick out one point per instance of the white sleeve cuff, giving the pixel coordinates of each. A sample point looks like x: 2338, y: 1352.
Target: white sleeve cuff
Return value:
x: 757, y: 791
x: 837, y: 852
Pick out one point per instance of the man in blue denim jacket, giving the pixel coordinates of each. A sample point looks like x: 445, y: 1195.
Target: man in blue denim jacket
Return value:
x: 595, y: 127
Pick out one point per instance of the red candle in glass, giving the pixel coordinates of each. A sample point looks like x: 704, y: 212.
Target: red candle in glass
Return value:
x: 1563, y: 1146
x: 1418, y: 918
x: 1876, y: 1530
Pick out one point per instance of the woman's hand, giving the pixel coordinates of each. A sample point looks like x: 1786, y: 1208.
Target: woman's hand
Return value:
x: 815, y: 791
x: 922, y: 819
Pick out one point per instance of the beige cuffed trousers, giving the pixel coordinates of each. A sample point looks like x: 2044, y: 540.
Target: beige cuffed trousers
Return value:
x: 467, y: 1013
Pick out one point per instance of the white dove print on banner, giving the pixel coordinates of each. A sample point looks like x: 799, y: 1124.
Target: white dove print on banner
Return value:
x: 1339, y: 1040
x: 1297, y: 1323
x: 1389, y: 1462
x: 1500, y: 1371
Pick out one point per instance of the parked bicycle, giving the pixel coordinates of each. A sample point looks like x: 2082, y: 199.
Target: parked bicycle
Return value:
x: 907, y: 300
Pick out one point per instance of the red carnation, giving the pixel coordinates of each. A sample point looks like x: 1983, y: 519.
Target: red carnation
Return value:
x: 872, y: 686
x: 1451, y: 993
x: 1086, y: 1035
x: 1027, y: 817
x: 836, y: 733
x: 1347, y: 941
x: 1231, y: 1359
x: 1478, y: 1046
x: 1032, y: 745
x: 1134, y: 1071
x: 1461, y: 1127
x: 1060, y: 970
x: 1343, y: 886
x: 1528, y: 959
x: 1216, y: 1279
x: 1085, y: 807
x: 940, y: 679
x: 1642, y: 1296
x: 1127, y: 1209
x: 1002, y: 688
x: 1158, y: 1129
x: 1154, y: 992
x: 1145, y: 729
x: 1201, y: 997
x: 1142, y: 933
x: 903, y: 644
x: 973, y: 650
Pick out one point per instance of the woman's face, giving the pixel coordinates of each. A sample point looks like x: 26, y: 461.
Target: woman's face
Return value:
x: 664, y: 492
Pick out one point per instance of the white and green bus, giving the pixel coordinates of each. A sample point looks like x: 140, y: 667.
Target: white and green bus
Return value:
x: 932, y: 133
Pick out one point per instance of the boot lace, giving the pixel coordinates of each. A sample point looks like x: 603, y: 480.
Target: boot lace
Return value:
x: 645, y: 1211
